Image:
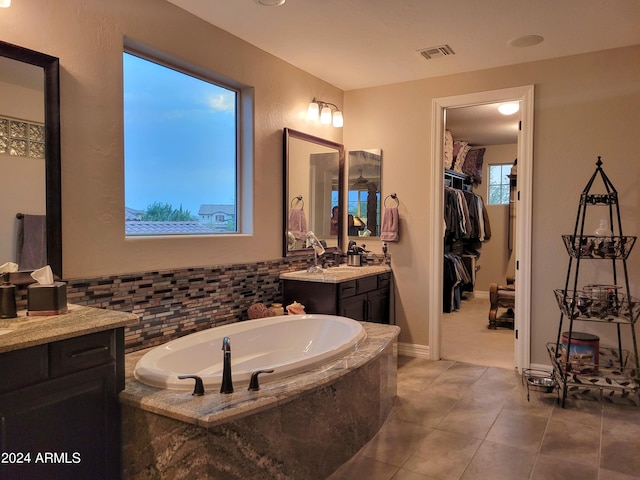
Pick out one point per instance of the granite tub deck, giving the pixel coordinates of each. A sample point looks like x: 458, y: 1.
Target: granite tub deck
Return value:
x: 300, y: 427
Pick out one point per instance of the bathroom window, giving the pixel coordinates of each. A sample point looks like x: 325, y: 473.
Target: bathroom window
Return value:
x: 499, y: 184
x: 181, y: 151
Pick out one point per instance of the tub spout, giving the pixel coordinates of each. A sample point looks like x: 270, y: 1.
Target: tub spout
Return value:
x: 227, y: 383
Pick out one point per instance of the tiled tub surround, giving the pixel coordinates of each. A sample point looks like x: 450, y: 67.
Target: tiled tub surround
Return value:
x: 301, y: 427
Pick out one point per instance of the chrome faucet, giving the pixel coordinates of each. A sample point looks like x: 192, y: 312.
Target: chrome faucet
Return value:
x: 227, y: 383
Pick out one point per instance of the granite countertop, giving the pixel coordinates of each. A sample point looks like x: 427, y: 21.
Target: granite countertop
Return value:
x: 214, y: 408
x: 26, y: 331
x: 339, y: 274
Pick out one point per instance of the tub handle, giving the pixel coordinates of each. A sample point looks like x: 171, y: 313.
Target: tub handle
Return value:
x: 253, y: 383
x: 198, y: 390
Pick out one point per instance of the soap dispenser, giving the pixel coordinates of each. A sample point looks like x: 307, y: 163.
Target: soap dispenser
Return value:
x: 8, y: 307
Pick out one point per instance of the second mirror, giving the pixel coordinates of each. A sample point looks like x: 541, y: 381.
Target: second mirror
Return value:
x: 364, y: 186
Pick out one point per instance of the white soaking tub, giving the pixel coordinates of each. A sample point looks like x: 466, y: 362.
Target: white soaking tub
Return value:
x: 288, y: 344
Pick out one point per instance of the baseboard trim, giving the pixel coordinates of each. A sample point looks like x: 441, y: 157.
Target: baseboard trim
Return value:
x: 413, y: 350
x: 541, y: 366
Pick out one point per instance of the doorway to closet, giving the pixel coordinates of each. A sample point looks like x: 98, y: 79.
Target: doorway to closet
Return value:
x: 519, y: 337
x: 480, y: 151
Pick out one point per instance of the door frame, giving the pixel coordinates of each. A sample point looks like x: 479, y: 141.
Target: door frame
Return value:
x: 522, y: 327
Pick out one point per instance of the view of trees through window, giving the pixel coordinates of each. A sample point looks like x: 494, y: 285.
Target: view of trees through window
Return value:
x: 499, y: 184
x: 181, y: 152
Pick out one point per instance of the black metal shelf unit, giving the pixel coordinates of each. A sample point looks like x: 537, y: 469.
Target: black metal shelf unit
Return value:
x: 616, y: 370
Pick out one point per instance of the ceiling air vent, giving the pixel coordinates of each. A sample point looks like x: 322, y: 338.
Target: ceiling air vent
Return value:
x: 436, y: 52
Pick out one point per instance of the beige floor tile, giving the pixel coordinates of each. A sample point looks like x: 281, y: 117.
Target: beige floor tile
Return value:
x: 403, y: 474
x: 493, y: 461
x: 573, y: 442
x: 408, y: 475
x: 395, y: 442
x: 517, y: 429
x: 443, y: 455
x: 456, y: 381
x: 427, y: 408
x: 552, y: 468
x: 360, y: 467
x: 621, y: 417
x: 470, y: 419
x: 585, y: 412
x: 609, y: 475
x: 621, y: 450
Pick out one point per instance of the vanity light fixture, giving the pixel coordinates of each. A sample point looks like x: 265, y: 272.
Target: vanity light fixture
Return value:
x: 508, y: 108
x: 328, y: 112
x: 5, y: 3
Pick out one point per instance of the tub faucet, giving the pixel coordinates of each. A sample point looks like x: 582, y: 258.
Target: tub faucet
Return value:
x: 227, y: 383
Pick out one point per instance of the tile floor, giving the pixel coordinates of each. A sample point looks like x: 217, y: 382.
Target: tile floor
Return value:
x: 455, y: 420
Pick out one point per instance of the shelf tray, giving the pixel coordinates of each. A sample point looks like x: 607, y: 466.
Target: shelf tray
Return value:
x: 607, y: 375
x: 612, y: 307
x: 591, y: 246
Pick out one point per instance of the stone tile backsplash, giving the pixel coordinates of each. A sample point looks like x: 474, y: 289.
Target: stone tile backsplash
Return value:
x: 172, y: 303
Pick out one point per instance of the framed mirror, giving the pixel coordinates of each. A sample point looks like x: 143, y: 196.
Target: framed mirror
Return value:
x: 363, y: 197
x: 30, y: 156
x: 313, y: 176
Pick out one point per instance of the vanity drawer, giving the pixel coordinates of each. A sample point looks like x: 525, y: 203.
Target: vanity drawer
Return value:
x: 384, y: 280
x: 24, y: 367
x: 347, y: 289
x: 367, y: 284
x: 80, y: 353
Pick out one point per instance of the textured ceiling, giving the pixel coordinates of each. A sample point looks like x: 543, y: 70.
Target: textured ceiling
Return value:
x: 356, y: 44
x: 361, y: 43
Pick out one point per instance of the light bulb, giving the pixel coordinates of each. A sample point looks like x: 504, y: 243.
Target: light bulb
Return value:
x: 508, y: 108
x: 313, y: 111
x: 338, y: 121
x: 325, y: 115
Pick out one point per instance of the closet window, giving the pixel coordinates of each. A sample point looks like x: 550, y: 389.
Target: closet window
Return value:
x: 499, y: 184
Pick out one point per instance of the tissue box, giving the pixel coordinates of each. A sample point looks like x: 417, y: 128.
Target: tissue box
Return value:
x: 47, y: 299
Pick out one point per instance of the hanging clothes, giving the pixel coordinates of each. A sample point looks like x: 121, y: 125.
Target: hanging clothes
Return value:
x: 467, y: 226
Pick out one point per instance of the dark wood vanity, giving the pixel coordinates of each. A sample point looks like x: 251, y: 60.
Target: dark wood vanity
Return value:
x: 59, y: 410
x: 361, y: 293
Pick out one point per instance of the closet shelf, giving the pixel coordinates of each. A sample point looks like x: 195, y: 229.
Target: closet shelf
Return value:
x: 612, y: 307
x: 597, y: 247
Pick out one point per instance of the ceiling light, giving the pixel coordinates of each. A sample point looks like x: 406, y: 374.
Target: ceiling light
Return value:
x: 525, y: 41
x: 508, y: 108
x: 270, y: 3
x: 328, y: 113
x: 5, y: 3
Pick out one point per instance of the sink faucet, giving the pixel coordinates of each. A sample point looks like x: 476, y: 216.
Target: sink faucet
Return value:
x: 227, y: 383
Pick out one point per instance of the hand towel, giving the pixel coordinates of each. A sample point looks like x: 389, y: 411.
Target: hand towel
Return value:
x: 31, y: 243
x: 390, y: 225
x: 298, y: 223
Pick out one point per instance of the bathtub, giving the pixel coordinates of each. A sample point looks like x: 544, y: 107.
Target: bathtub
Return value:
x: 288, y: 344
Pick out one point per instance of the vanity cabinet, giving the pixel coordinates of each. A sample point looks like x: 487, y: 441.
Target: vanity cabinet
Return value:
x: 365, y: 298
x: 59, y: 410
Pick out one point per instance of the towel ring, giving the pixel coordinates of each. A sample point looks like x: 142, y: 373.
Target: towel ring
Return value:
x: 297, y: 200
x: 393, y: 196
